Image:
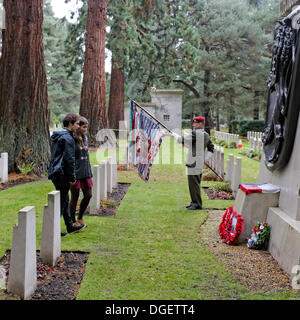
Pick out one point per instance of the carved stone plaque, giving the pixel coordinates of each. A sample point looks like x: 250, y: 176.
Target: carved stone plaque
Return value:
x: 283, y: 94
x: 287, y: 5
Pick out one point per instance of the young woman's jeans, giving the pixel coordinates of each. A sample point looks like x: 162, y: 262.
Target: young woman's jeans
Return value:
x: 87, y: 194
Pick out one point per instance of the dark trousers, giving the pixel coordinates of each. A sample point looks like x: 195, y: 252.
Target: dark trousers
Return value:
x: 87, y: 194
x: 195, y: 191
x: 62, y: 185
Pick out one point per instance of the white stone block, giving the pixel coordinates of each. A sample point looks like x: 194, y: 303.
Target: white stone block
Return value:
x: 109, y: 175
x: 237, y: 175
x: 51, y: 233
x: 96, y: 190
x: 284, y: 244
x: 114, y: 171
x: 229, y: 167
x: 103, y: 180
x: 22, y: 279
x: 222, y: 163
x: 218, y: 162
x: 253, y: 207
x: 4, y: 167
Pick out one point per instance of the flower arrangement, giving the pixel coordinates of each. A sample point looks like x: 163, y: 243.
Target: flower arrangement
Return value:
x: 223, y: 195
x: 231, y: 226
x: 260, y: 236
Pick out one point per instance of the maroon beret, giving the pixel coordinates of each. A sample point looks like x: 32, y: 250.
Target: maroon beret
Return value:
x: 199, y: 119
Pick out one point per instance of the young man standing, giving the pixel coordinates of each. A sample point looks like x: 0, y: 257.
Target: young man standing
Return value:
x: 200, y: 148
x: 62, y: 166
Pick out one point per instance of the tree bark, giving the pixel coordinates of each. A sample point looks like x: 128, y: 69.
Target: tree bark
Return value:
x: 93, y: 94
x: 23, y: 87
x: 207, y: 114
x: 256, y: 106
x: 116, y: 97
x: 231, y: 115
x: 217, y: 118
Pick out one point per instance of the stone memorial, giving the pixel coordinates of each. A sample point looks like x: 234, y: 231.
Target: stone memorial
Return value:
x: 247, y: 206
x: 280, y: 163
x: 51, y: 232
x: 236, y: 175
x: 4, y: 167
x: 109, y: 175
x: 96, y: 190
x: 103, y: 180
x: 22, y: 279
x: 229, y: 167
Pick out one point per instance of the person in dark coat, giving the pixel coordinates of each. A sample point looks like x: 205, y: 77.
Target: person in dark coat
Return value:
x: 62, y: 166
x: 200, y: 148
x: 83, y: 173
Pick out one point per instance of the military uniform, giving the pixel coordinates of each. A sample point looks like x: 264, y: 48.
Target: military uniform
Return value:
x: 196, y: 142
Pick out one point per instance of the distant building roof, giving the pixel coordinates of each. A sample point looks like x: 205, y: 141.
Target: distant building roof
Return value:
x: 147, y: 104
x: 167, y: 91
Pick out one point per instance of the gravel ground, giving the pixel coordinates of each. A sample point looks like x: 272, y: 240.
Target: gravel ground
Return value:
x: 255, y: 269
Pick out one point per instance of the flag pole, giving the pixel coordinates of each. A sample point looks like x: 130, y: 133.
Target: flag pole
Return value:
x: 150, y: 115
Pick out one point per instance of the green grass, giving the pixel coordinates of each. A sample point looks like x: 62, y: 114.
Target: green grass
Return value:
x: 151, y: 249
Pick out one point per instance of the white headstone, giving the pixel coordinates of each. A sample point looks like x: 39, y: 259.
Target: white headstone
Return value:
x: 237, y: 175
x: 222, y: 163
x: 96, y: 190
x: 109, y: 175
x: 114, y: 171
x: 103, y: 180
x: 22, y: 279
x: 51, y: 233
x: 229, y: 167
x: 4, y: 167
x: 218, y: 162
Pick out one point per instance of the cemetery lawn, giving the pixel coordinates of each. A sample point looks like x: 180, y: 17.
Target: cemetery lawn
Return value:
x: 151, y: 249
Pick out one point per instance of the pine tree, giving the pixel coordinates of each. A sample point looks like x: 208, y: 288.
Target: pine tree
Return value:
x: 63, y: 91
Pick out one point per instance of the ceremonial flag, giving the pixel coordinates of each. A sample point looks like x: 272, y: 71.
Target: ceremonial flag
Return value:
x: 147, y: 136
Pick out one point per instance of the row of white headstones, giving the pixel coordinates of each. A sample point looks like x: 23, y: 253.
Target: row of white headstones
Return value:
x: 22, y: 279
x: 255, y: 141
x: 227, y: 137
x: 233, y: 170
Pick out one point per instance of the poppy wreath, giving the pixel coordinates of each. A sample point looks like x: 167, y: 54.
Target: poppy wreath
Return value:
x: 229, y: 234
x: 226, y: 217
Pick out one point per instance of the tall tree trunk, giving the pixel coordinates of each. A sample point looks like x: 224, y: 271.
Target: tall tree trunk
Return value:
x: 206, y: 92
x: 93, y: 94
x: 116, y: 97
x: 231, y: 115
x: 256, y: 106
x: 23, y: 86
x: 218, y: 118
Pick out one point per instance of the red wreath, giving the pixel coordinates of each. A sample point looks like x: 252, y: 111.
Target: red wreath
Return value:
x: 227, y: 233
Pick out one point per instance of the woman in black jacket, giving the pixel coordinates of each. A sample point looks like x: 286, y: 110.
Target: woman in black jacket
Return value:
x: 83, y: 173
